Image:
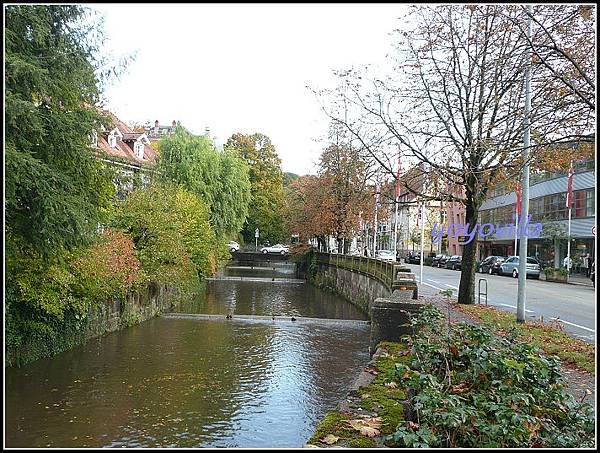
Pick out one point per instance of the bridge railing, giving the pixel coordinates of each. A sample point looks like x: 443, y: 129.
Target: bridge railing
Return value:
x: 380, y: 270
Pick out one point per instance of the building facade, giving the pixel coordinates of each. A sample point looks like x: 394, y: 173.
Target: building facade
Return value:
x: 547, y: 205
x: 130, y: 152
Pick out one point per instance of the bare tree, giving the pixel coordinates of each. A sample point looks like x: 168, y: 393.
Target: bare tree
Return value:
x: 564, y: 45
x: 454, y: 102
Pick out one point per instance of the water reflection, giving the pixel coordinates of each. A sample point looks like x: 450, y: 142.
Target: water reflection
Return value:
x: 266, y: 298
x: 185, y: 383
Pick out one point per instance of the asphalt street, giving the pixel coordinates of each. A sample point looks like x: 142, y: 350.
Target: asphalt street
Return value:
x: 573, y: 305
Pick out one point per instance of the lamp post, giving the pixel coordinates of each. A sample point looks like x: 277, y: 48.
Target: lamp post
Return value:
x: 521, y: 298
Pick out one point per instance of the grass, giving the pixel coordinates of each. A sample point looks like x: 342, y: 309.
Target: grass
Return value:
x: 549, y: 338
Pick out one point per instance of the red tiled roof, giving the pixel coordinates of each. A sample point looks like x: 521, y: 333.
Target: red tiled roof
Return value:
x: 122, y: 150
x: 131, y: 135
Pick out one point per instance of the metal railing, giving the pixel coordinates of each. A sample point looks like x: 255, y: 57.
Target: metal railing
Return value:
x: 380, y: 270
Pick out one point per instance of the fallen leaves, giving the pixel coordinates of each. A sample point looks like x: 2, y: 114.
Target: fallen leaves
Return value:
x: 373, y: 371
x: 367, y: 426
x: 329, y: 439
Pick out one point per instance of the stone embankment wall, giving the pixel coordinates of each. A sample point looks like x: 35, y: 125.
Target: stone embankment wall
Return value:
x: 357, y: 288
x: 141, y: 306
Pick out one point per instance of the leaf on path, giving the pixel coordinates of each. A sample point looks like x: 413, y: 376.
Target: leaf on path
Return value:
x: 367, y: 427
x: 329, y: 439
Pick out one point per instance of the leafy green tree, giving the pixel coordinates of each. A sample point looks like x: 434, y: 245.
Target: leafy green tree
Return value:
x: 266, y: 210
x: 172, y: 234
x: 56, y: 191
x: 218, y: 178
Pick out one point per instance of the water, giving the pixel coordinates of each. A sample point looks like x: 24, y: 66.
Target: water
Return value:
x: 192, y: 383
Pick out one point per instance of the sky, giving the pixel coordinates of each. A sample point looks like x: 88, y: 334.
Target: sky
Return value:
x: 242, y: 68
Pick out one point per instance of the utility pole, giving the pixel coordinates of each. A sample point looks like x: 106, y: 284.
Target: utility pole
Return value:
x: 377, y: 190
x: 425, y: 176
x: 521, y: 296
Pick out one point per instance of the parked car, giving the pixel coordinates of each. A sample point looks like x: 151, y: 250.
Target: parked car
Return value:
x: 233, y: 246
x: 413, y: 258
x: 354, y: 252
x: 442, y: 261
x: 491, y: 265
x: 511, y: 267
x: 453, y: 262
x: 385, y: 255
x: 277, y: 248
x: 436, y: 259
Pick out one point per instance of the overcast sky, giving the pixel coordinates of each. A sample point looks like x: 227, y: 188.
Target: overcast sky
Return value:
x: 242, y: 68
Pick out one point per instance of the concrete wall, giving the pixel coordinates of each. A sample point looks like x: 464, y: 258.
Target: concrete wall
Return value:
x: 357, y: 288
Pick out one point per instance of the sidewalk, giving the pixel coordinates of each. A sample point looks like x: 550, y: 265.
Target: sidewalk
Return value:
x: 575, y: 279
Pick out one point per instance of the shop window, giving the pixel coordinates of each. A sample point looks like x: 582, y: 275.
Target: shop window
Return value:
x: 580, y: 203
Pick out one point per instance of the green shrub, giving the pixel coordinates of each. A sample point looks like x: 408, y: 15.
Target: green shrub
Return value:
x: 172, y: 234
x: 475, y: 389
x: 48, y: 301
x: 550, y: 271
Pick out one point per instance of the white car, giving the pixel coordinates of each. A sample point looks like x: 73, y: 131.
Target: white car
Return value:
x: 233, y: 246
x: 385, y: 255
x: 277, y: 248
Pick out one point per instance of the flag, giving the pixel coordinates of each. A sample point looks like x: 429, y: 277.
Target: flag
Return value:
x: 398, y: 189
x: 519, y: 200
x: 570, y: 187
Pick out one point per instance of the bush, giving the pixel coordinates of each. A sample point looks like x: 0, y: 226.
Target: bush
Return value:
x: 47, y: 302
x: 427, y: 261
x: 108, y: 269
x: 550, y: 271
x: 474, y: 389
x: 172, y: 234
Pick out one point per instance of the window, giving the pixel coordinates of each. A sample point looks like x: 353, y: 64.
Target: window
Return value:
x: 94, y: 138
x: 583, y: 203
x: 112, y: 141
x: 138, y: 147
x: 589, y: 203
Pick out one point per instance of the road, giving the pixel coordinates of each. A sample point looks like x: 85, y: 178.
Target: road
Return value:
x: 573, y: 305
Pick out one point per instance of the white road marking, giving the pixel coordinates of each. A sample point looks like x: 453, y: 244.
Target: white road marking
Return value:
x: 434, y: 281
x: 433, y: 286
x: 575, y: 325
x: 451, y: 286
x: 512, y: 306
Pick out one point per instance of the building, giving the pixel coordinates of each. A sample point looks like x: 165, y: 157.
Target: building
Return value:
x: 547, y: 204
x: 409, y: 216
x: 158, y: 131
x: 129, y: 151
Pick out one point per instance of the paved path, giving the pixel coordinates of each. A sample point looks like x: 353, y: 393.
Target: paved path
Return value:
x: 573, y: 305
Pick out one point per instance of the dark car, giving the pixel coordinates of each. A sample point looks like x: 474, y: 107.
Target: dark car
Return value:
x: 413, y: 258
x: 443, y: 260
x: 436, y: 259
x: 453, y: 262
x: 491, y: 265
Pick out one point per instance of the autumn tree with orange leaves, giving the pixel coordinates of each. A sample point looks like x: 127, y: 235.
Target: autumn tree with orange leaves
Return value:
x: 334, y: 202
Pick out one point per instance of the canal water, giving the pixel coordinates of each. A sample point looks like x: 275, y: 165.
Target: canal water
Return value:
x: 196, y: 383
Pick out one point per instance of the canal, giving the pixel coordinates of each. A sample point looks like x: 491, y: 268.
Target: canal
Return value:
x: 196, y: 383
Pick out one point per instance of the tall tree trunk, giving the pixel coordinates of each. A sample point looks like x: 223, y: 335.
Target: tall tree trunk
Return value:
x: 466, y: 288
